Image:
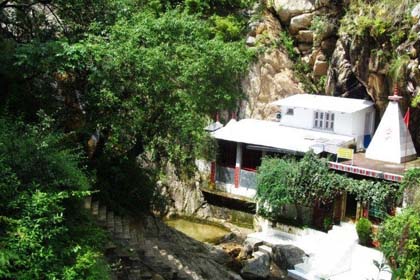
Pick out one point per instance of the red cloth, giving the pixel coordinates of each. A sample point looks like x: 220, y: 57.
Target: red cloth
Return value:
x: 407, y: 117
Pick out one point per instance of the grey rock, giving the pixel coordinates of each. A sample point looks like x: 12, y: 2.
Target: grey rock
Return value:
x: 257, y: 267
x: 253, y: 243
x: 287, y: 256
x: 220, y: 256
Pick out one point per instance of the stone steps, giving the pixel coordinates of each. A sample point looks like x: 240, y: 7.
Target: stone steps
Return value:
x: 142, y: 252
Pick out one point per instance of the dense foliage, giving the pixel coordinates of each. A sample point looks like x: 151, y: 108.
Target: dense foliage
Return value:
x: 399, y: 236
x: 44, y: 233
x: 308, y: 181
x: 130, y: 82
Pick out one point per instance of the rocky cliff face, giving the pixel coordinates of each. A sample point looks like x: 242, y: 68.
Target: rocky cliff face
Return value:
x: 358, y: 49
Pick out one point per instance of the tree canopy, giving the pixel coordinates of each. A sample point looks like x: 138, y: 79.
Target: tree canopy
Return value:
x: 126, y: 86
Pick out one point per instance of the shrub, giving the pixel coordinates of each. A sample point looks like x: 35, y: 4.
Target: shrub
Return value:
x: 399, y: 237
x: 364, y: 231
x: 227, y: 28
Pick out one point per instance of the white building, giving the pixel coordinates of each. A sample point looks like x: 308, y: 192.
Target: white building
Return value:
x: 306, y: 122
x: 335, y: 115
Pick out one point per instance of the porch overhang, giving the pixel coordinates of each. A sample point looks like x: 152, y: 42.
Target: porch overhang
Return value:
x: 271, y: 136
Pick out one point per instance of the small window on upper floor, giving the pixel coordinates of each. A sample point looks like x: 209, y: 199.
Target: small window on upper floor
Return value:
x: 290, y: 111
x: 324, y: 120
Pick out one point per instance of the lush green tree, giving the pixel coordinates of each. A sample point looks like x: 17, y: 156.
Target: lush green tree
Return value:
x: 44, y: 233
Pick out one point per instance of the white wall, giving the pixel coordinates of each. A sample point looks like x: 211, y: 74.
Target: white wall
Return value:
x: 302, y: 118
x: 344, y: 123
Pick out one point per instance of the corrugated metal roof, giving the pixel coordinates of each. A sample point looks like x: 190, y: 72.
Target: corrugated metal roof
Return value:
x: 272, y: 134
x: 324, y: 103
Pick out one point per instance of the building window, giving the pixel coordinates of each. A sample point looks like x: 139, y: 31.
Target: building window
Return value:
x: 324, y: 120
x: 290, y: 111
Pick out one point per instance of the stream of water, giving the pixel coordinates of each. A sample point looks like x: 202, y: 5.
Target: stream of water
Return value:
x: 200, y: 231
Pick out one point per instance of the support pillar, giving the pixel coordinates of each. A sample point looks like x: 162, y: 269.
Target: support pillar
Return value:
x: 238, y: 164
x: 213, y: 172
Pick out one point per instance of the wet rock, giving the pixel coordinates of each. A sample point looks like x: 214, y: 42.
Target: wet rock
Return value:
x: 287, y: 256
x: 300, y: 22
x: 257, y: 267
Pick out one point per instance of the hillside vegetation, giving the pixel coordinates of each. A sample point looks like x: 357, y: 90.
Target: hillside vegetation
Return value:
x: 97, y: 95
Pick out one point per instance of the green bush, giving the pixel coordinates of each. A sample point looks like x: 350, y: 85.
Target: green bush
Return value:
x: 364, y: 231
x: 227, y: 28
x: 399, y: 239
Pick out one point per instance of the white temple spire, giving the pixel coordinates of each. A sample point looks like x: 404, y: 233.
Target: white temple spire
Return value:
x: 392, y: 141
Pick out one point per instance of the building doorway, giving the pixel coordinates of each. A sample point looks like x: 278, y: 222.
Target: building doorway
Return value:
x: 351, y: 208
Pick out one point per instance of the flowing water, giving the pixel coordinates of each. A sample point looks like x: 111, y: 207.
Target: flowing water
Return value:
x: 200, y: 231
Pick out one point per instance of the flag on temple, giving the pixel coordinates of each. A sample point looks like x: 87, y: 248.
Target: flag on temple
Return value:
x: 407, y: 117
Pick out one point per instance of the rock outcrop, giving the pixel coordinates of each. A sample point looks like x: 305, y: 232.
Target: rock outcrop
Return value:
x: 271, y: 77
x: 256, y: 268
x: 287, y: 256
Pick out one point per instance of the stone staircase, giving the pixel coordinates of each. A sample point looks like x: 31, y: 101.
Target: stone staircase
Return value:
x: 142, y: 259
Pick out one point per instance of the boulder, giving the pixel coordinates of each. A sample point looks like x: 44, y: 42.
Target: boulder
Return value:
x: 287, y: 256
x: 287, y: 9
x: 305, y: 36
x: 300, y: 22
x: 252, y: 243
x: 320, y: 68
x: 257, y: 267
x: 303, y: 48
